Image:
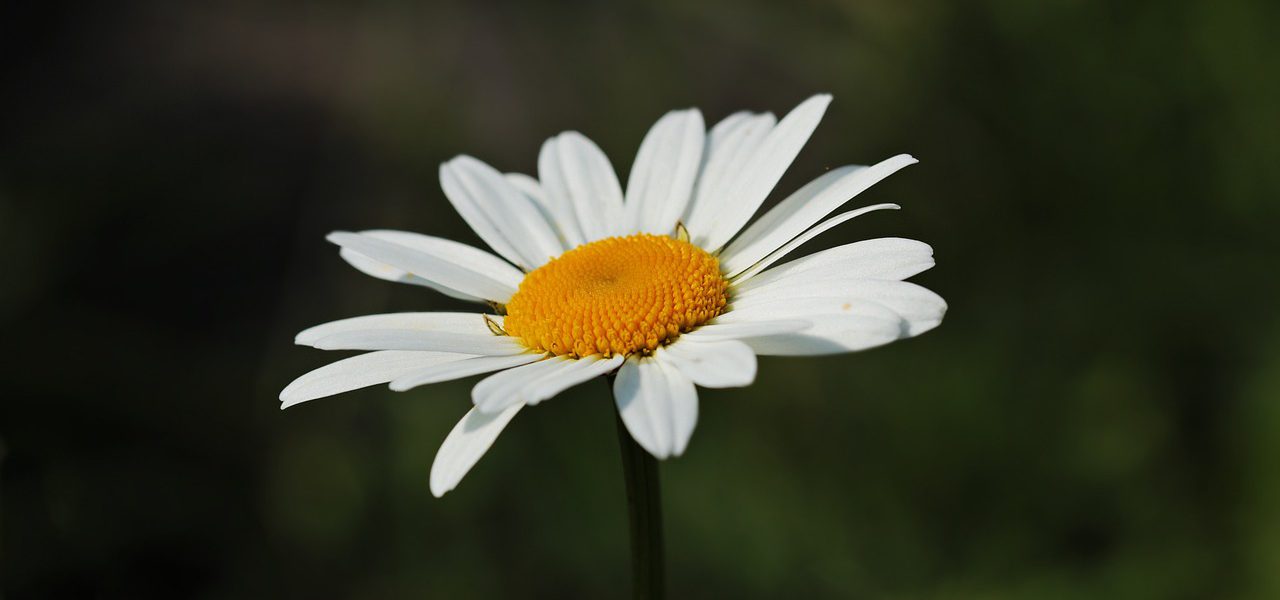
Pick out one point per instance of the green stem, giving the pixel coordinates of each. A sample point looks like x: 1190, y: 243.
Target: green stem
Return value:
x: 644, y: 503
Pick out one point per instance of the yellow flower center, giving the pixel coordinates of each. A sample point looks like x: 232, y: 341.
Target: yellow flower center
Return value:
x: 618, y: 295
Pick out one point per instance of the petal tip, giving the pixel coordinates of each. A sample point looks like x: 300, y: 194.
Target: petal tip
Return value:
x: 572, y: 134
x: 459, y: 162
x: 823, y: 98
x: 486, y: 404
x: 438, y: 489
x: 324, y: 343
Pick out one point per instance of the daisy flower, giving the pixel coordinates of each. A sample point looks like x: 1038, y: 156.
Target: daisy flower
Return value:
x: 663, y: 286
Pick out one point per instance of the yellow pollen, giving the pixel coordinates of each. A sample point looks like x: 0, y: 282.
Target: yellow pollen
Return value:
x: 618, y: 295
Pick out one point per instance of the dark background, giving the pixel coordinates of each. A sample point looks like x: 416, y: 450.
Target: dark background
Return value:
x: 1097, y: 417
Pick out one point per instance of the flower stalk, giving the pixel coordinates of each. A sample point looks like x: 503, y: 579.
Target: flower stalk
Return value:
x: 644, y: 508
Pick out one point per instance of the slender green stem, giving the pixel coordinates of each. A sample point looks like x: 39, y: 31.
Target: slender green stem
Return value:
x: 644, y: 503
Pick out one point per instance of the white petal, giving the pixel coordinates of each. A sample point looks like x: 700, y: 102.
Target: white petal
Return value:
x: 386, y: 272
x: 658, y: 404
x: 533, y: 190
x: 729, y: 146
x: 819, y: 229
x: 466, y: 443
x: 528, y: 186
x: 578, y: 371
x: 360, y: 371
x: 555, y: 193
x: 883, y: 258
x: 460, y: 369
x: 500, y: 390
x: 763, y: 169
x: 455, y: 252
x: 837, y: 326
x: 582, y: 182
x: 919, y: 308
x: 479, y: 260
x: 505, y: 218
x: 718, y: 131
x: 643, y: 407
x: 448, y: 269
x: 405, y: 339
x: 684, y: 404
x: 531, y: 384
x: 838, y: 336
x: 452, y: 322
x: 712, y: 364
x: 368, y: 266
x: 801, y: 210
x: 662, y: 177
x: 475, y: 211
x: 725, y: 327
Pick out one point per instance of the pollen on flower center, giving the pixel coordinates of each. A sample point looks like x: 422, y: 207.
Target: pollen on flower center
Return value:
x: 618, y: 295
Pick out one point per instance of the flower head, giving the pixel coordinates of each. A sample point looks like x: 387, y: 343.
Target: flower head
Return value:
x: 619, y: 295
x: 660, y: 285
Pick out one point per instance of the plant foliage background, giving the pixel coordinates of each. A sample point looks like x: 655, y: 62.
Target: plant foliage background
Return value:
x: 1097, y: 417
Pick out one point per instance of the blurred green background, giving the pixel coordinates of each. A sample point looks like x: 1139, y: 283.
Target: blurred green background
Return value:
x: 1097, y: 417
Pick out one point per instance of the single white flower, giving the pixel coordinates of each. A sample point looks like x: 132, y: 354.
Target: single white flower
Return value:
x: 660, y: 284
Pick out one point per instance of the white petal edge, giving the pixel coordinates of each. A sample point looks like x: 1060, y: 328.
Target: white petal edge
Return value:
x: 764, y: 168
x: 452, y: 322
x: 581, y: 371
x: 465, y: 444
x: 408, y: 339
x: 555, y: 193
x: 386, y: 272
x: 726, y: 328
x: 803, y: 209
x: 531, y: 384
x: 718, y: 131
x: 729, y: 146
x: 529, y: 186
x: 817, y: 230
x: 838, y: 326
x: 459, y: 369
x: 533, y: 190
x: 882, y: 258
x: 662, y: 177
x: 580, y: 180
x: 456, y: 252
x: 658, y: 405
x: 444, y: 268
x: 919, y: 308
x: 712, y: 364
x: 498, y: 391
x: 360, y: 371
x: 503, y: 216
